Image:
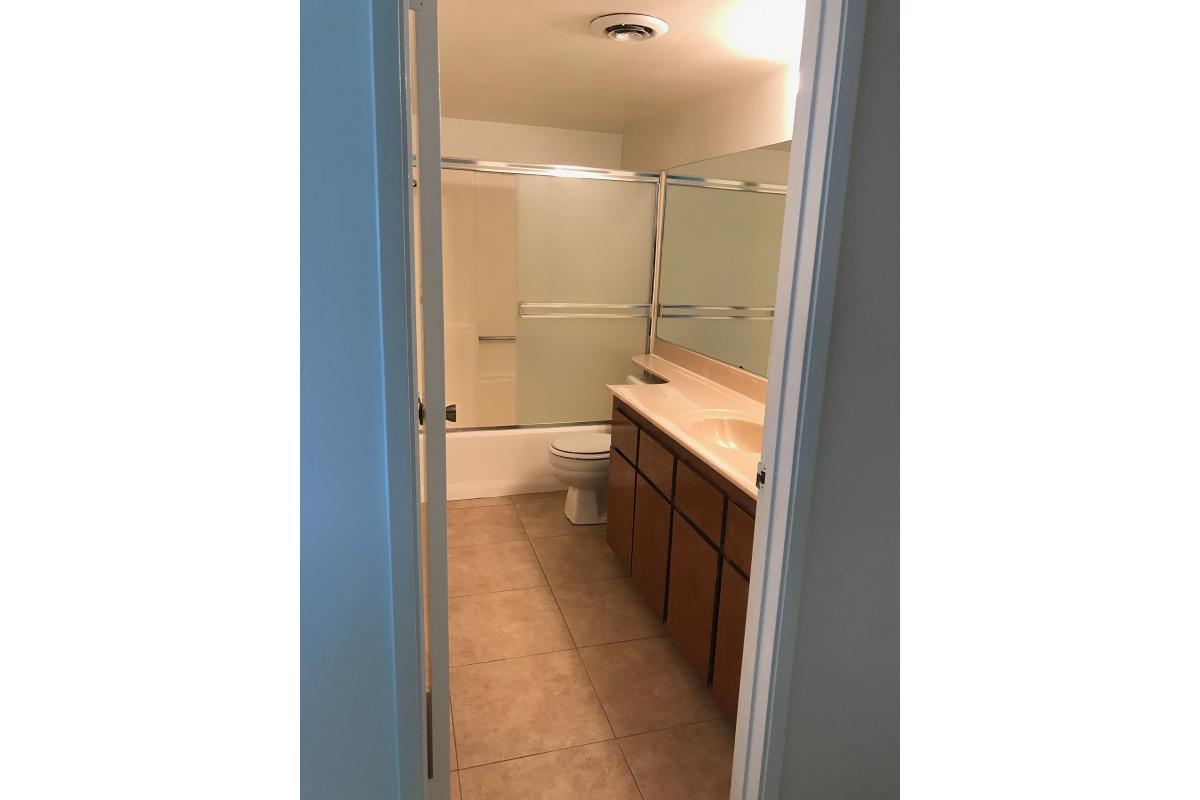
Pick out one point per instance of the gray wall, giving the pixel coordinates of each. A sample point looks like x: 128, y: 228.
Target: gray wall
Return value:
x: 842, y: 735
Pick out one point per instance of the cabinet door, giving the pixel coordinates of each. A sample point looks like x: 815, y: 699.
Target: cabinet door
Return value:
x: 692, y: 594
x: 739, y: 537
x: 656, y: 462
x: 651, y: 538
x: 731, y: 629
x: 699, y: 501
x: 621, y: 478
x: 624, y: 435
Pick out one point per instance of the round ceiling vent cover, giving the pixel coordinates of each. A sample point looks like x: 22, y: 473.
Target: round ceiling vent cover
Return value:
x: 628, y: 27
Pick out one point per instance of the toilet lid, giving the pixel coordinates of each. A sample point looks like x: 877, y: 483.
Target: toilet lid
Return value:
x: 582, y: 445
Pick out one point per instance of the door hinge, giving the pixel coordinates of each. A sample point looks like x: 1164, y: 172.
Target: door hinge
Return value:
x: 761, y: 478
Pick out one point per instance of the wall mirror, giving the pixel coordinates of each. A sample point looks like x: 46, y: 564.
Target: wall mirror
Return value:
x: 722, y: 226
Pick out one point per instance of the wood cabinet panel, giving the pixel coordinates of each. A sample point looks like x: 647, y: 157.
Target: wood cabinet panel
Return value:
x: 731, y: 631
x: 699, y: 501
x: 684, y: 532
x: 656, y: 463
x: 739, y: 537
x: 692, y: 594
x: 651, y: 540
x: 624, y: 435
x: 621, y: 484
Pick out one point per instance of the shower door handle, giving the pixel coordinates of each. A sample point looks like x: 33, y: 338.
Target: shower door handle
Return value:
x: 452, y: 412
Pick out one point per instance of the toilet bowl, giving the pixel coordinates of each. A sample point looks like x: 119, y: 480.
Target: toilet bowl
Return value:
x: 580, y: 460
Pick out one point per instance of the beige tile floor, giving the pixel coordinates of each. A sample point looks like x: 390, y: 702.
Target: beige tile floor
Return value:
x: 562, y: 681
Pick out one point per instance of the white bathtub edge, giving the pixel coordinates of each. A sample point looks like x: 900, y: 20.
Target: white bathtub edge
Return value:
x: 494, y: 463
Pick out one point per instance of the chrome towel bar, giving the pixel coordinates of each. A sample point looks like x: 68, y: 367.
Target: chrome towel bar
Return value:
x: 715, y: 312
x: 583, y: 310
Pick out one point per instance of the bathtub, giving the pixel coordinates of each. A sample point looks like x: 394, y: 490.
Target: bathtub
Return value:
x: 501, y: 461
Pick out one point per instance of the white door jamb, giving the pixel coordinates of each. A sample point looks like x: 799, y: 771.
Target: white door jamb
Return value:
x: 830, y: 56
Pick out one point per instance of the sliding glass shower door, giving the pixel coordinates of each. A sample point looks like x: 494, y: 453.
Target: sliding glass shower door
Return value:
x: 548, y: 286
x: 585, y: 261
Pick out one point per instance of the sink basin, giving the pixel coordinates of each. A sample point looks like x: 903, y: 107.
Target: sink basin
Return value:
x: 729, y: 429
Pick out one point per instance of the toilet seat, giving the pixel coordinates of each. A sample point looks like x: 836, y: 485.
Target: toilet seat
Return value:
x: 582, y: 446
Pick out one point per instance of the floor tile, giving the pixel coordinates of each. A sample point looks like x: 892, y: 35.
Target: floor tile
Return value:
x: 604, y: 611
x: 453, y: 749
x: 533, y: 497
x: 646, y: 685
x: 455, y: 787
x: 571, y: 559
x: 496, y: 567
x: 544, y: 518
x: 478, y: 502
x: 487, y: 627
x: 524, y: 706
x: 594, y: 771
x: 482, y: 525
x: 693, y: 762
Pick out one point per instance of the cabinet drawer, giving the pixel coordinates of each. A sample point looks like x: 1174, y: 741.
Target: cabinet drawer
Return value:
x: 700, y: 502
x: 739, y: 537
x: 621, y: 482
x: 731, y: 630
x: 692, y: 595
x: 651, y: 538
x: 624, y: 435
x: 655, y: 462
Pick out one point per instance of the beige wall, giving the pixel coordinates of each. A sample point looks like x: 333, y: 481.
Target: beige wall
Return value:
x: 529, y: 144
x: 754, y: 115
x: 750, y: 116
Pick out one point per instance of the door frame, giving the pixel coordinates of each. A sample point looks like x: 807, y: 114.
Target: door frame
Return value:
x: 830, y: 56
x: 423, y: 83
x: 817, y: 174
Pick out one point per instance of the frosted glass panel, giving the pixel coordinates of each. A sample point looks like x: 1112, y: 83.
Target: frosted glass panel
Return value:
x: 720, y: 249
x: 744, y: 343
x: 580, y: 241
x: 563, y: 366
x: 585, y: 241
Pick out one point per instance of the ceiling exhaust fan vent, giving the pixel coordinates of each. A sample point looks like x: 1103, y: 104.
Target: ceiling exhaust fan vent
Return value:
x: 628, y: 27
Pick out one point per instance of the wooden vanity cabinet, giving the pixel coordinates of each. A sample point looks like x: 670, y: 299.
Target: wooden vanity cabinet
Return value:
x: 692, y: 594
x: 651, y: 540
x: 686, y: 534
x: 624, y: 436
x: 622, y: 479
x: 739, y: 537
x: 699, y: 501
x: 731, y: 631
x: 656, y: 463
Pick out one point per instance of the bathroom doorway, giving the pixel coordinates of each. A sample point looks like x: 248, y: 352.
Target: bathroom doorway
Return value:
x: 553, y: 262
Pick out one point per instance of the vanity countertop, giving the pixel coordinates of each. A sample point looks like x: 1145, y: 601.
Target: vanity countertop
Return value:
x: 686, y: 397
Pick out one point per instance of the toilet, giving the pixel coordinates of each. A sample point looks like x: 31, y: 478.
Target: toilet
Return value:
x: 580, y: 460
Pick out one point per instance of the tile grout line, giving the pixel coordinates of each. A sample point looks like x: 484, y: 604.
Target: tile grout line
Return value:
x: 577, y: 650
x: 629, y: 767
x: 613, y: 738
x: 512, y: 658
x: 587, y: 673
x: 539, y: 753
x: 637, y: 787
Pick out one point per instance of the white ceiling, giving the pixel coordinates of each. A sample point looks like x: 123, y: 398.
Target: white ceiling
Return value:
x: 533, y: 62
